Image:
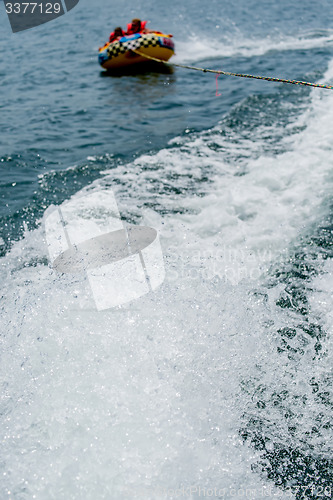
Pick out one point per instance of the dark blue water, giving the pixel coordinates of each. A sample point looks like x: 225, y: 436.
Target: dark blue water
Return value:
x: 250, y: 172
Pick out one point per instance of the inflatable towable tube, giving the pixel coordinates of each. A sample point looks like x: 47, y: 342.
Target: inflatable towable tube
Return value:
x: 120, y: 53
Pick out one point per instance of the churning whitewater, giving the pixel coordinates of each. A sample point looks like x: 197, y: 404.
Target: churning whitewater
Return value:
x: 215, y: 380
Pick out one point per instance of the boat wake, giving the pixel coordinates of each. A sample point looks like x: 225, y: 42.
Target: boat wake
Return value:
x: 202, y: 48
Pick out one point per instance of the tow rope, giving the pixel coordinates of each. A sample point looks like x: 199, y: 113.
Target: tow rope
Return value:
x: 241, y: 75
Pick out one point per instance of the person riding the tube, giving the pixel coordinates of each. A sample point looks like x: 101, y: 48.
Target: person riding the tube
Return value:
x: 137, y: 26
x: 116, y: 34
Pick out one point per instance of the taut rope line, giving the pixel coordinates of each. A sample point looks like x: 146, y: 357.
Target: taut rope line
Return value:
x: 241, y: 75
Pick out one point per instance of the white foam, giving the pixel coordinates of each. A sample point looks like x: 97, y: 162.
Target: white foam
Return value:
x: 199, y: 48
x: 252, y: 217
x: 100, y: 405
x: 113, y: 404
x: 321, y: 299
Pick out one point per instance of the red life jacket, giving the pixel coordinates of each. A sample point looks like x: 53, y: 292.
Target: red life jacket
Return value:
x: 114, y: 37
x: 130, y: 30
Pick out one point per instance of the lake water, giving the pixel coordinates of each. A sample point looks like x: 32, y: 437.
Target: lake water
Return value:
x: 218, y: 383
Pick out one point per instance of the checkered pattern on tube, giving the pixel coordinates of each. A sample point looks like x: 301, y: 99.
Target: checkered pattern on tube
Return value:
x: 117, y: 48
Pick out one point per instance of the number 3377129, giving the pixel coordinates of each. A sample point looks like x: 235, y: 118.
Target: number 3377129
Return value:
x: 33, y: 7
